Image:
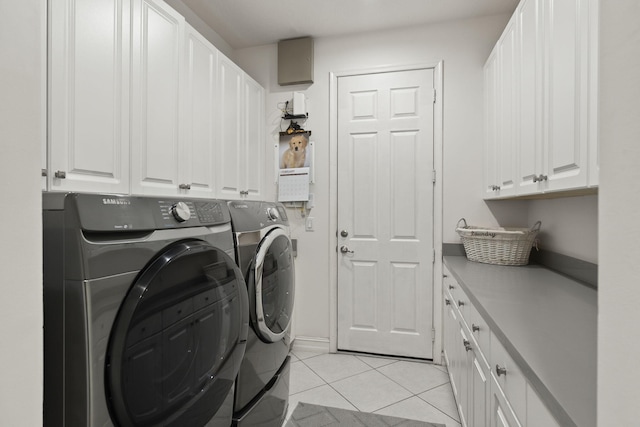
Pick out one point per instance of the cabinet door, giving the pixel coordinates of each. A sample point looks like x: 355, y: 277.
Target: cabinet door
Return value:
x: 538, y: 415
x: 230, y: 129
x: 479, y: 384
x: 507, y: 117
x: 451, y: 344
x: 529, y: 57
x: 490, y: 126
x: 501, y: 413
x: 566, y: 112
x: 253, y: 138
x: 89, y: 95
x: 197, y: 167
x: 157, y: 45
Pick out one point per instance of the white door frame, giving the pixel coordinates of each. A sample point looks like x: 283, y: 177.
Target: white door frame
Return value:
x: 437, y: 197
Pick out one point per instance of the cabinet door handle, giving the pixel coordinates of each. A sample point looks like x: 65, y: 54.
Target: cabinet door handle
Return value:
x: 44, y: 172
x: 444, y: 275
x: 467, y: 345
x: 244, y: 192
x: 501, y: 370
x: 460, y: 303
x: 447, y: 301
x: 184, y: 186
x: 451, y: 287
x: 475, y: 328
x: 60, y: 174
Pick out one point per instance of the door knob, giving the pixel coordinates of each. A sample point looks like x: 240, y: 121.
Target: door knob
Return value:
x: 344, y: 233
x: 345, y: 250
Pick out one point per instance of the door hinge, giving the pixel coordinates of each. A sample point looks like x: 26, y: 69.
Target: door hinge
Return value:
x: 434, y: 95
x: 433, y: 176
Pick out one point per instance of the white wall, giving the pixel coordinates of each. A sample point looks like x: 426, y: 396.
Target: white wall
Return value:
x: 619, y: 252
x: 22, y: 44
x: 464, y: 47
x: 569, y: 225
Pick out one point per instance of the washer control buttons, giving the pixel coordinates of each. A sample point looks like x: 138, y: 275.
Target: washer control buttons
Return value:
x: 180, y: 211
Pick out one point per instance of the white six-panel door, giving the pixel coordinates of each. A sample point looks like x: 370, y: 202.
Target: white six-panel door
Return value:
x: 385, y: 213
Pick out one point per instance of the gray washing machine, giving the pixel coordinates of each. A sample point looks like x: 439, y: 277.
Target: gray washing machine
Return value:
x: 265, y: 256
x: 145, y: 311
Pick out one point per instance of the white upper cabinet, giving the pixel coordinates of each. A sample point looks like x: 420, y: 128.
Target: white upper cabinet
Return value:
x: 507, y: 97
x: 254, y: 138
x: 530, y: 100
x: 566, y: 94
x: 230, y: 129
x: 553, y: 109
x: 197, y: 164
x: 89, y: 96
x: 240, y: 130
x: 491, y: 127
x: 157, y: 46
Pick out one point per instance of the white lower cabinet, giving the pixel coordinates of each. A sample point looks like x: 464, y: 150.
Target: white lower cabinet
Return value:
x: 489, y: 387
x: 538, y: 414
x: 501, y: 413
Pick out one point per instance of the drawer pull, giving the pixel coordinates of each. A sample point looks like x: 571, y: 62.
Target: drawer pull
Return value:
x: 447, y: 301
x: 451, y: 287
x: 444, y: 275
x: 460, y: 303
x: 500, y: 370
x: 475, y: 328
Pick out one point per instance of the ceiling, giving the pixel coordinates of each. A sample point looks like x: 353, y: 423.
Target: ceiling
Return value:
x: 247, y: 23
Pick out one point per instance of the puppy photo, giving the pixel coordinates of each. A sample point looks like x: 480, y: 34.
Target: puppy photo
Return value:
x: 295, y: 156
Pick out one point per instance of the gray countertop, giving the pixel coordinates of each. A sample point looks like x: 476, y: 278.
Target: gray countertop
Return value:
x: 548, y: 324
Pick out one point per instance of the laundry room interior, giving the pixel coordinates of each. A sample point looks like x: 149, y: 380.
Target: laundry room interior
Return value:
x: 322, y: 173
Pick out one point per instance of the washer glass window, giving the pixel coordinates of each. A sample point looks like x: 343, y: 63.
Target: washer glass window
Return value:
x: 173, y: 336
x: 274, y: 285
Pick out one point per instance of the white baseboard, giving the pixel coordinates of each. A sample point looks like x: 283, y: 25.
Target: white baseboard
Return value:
x: 313, y: 344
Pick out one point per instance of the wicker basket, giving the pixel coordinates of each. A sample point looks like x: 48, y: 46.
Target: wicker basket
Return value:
x: 501, y: 246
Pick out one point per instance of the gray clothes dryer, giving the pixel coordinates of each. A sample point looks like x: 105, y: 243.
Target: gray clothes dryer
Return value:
x: 145, y: 311
x: 265, y: 256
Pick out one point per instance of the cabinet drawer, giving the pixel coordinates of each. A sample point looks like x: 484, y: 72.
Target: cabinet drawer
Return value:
x: 453, y: 289
x: 481, y: 333
x: 509, y: 377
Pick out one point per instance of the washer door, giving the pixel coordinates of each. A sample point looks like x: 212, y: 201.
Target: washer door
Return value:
x: 274, y: 286
x: 178, y: 339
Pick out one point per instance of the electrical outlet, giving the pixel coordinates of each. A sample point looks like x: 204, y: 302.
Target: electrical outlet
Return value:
x: 308, y: 225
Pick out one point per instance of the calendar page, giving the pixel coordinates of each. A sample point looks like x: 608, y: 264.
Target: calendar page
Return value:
x: 293, y: 185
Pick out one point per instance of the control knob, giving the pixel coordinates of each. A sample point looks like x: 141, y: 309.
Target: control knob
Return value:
x: 272, y: 214
x: 180, y: 211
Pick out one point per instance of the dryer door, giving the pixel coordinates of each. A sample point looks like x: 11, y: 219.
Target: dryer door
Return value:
x: 274, y: 286
x: 178, y: 339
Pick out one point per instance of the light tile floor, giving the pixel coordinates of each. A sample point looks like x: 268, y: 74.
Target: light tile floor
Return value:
x: 401, y: 388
